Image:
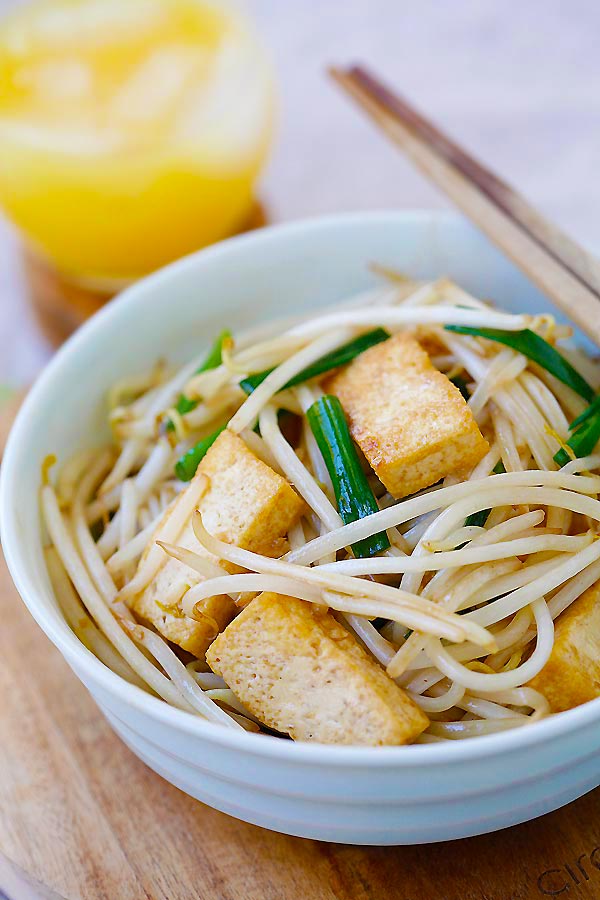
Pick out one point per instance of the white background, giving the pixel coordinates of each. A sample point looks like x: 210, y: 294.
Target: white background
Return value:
x: 518, y: 83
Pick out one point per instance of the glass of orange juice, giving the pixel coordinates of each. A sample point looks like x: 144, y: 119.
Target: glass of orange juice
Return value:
x: 131, y: 132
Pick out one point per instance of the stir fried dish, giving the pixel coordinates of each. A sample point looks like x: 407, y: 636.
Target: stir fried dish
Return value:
x: 375, y: 526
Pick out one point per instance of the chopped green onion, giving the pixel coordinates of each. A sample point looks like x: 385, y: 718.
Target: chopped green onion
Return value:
x: 215, y: 354
x: 184, y: 405
x: 213, y: 360
x: 461, y: 383
x: 585, y: 436
x: 344, y: 354
x: 586, y: 427
x: 354, y: 496
x: 537, y: 350
x: 590, y: 410
x: 480, y: 518
x: 186, y: 466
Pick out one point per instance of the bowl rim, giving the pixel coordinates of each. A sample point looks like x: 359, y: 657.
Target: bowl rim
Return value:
x: 92, y: 669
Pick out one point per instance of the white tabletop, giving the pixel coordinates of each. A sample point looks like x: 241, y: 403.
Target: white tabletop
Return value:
x: 516, y: 83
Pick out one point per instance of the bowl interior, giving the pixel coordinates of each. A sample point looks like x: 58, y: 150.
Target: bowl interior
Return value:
x: 275, y: 272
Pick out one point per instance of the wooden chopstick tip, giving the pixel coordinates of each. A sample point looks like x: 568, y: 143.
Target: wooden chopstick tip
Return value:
x: 345, y: 74
x: 336, y: 73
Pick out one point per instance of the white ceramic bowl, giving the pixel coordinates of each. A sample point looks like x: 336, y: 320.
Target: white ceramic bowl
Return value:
x: 392, y: 795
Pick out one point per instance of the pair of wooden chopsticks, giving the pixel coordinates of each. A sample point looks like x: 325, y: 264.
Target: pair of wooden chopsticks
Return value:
x: 564, y: 271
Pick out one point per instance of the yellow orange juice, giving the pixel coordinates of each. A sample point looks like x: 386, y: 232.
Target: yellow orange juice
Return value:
x: 131, y: 131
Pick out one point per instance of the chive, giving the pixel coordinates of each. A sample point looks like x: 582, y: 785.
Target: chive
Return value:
x: 537, y: 350
x: 586, y: 427
x: 590, y: 410
x: 461, y: 383
x: 186, y: 466
x: 355, y: 499
x: 184, y: 404
x: 344, y: 354
x: 480, y: 518
x: 215, y: 354
x: 584, y: 438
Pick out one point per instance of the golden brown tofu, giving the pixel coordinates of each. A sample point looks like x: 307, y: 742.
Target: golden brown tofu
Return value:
x: 410, y: 421
x: 247, y: 504
x: 572, y: 674
x: 300, y: 672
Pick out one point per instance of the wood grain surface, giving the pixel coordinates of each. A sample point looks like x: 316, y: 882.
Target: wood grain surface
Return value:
x: 83, y: 817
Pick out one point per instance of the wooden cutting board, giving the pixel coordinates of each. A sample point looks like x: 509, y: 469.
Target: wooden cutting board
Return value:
x: 81, y: 818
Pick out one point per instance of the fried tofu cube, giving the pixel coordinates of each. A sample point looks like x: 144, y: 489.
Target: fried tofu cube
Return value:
x: 572, y: 674
x: 409, y: 420
x: 247, y: 504
x: 300, y: 672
